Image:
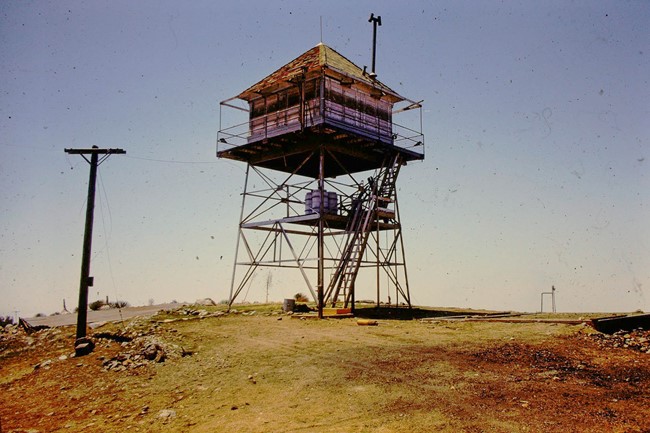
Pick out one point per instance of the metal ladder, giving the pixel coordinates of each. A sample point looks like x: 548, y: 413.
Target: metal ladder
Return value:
x: 386, y: 190
x: 365, y: 211
x: 343, y: 278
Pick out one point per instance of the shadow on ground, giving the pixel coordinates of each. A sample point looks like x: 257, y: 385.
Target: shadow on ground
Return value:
x: 406, y: 313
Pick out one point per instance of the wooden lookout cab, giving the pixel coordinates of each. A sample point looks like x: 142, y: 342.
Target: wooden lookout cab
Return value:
x: 322, y: 121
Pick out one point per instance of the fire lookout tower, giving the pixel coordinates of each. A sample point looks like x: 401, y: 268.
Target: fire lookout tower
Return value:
x: 318, y: 136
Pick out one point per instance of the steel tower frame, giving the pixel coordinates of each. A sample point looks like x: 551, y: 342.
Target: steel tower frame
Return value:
x: 324, y: 242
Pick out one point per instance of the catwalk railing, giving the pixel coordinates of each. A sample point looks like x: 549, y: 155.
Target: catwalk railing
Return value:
x: 287, y: 120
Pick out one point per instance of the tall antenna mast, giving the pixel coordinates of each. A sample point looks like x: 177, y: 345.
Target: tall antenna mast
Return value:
x: 375, y: 22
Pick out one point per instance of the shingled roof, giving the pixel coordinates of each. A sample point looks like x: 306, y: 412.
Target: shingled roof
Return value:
x: 320, y: 58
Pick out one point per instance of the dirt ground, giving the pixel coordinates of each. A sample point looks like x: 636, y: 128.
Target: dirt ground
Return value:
x: 198, y: 369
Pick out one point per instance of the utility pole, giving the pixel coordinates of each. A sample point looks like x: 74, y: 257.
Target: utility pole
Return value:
x: 83, y: 346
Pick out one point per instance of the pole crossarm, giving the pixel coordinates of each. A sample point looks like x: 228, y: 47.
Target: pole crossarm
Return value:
x: 94, y: 150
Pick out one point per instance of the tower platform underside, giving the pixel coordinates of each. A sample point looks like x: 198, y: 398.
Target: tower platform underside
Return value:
x: 337, y: 223
x: 299, y: 152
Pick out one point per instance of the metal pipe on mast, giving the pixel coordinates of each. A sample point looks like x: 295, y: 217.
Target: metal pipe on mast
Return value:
x: 376, y: 21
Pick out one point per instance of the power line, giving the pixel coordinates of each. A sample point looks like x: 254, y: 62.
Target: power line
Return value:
x: 167, y: 161
x: 171, y: 161
x: 108, y: 253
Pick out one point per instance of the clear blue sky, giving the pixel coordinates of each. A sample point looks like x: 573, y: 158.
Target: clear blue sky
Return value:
x: 536, y: 124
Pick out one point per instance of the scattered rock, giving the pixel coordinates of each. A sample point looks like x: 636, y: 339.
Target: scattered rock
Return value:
x: 83, y: 346
x: 167, y: 413
x: 142, y: 351
x: 637, y: 340
x: 154, y: 352
x: 45, y: 365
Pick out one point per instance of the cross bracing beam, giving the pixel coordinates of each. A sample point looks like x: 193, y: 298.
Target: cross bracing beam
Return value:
x: 290, y: 239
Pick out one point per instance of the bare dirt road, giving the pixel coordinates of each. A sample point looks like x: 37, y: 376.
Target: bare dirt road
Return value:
x: 100, y: 316
x: 201, y: 370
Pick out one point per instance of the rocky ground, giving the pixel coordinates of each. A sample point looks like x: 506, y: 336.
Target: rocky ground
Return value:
x: 638, y: 340
x: 202, y: 369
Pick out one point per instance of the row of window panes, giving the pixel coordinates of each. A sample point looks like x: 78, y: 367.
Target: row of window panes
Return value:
x: 357, y: 102
x: 284, y: 99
